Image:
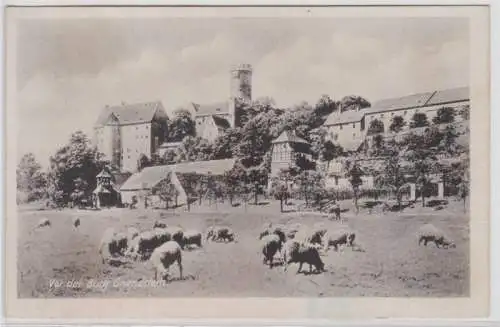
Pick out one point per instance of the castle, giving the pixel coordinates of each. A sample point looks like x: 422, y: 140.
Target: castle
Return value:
x: 124, y: 132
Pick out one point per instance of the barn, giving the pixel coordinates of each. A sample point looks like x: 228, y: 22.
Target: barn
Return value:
x: 150, y: 185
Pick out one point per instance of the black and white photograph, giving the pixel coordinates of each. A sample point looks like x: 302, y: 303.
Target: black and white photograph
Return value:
x: 219, y: 156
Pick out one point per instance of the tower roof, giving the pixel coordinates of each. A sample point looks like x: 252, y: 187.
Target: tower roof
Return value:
x: 131, y: 113
x: 246, y: 67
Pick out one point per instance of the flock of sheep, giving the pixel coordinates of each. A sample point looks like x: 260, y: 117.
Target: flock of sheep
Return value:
x: 163, y: 245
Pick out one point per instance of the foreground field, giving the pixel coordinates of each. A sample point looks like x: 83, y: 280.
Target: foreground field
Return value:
x: 392, y: 264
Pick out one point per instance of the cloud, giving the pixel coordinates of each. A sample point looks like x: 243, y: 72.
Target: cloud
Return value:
x: 69, y: 74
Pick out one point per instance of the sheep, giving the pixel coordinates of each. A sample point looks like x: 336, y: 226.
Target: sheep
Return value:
x: 146, y: 242
x: 277, y: 230
x: 76, y: 222
x: 112, y: 244
x: 297, y: 252
x: 192, y: 237
x: 176, y: 234
x: 310, y: 235
x: 271, y: 244
x: 338, y: 237
x: 218, y: 233
x: 225, y: 234
x: 159, y: 224
x: 164, y: 256
x: 44, y: 222
x: 430, y: 233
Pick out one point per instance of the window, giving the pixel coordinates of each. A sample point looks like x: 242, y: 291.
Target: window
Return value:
x: 354, y: 125
x: 340, y: 126
x: 405, y: 113
x: 353, y: 135
x: 381, y: 115
x: 336, y: 180
x: 392, y: 114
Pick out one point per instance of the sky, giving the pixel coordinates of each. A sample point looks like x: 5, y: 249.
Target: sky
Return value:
x: 68, y: 70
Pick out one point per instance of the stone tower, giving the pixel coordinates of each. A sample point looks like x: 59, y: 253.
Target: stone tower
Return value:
x: 241, y: 90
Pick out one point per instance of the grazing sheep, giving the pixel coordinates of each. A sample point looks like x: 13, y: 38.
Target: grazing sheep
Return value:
x: 113, y: 244
x: 225, y: 234
x: 76, y: 222
x: 177, y: 234
x: 164, y: 256
x: 310, y: 235
x: 338, y: 237
x: 159, y: 224
x: 44, y: 222
x: 277, y: 230
x: 220, y: 233
x: 297, y: 252
x: 430, y: 233
x: 192, y: 237
x: 270, y: 245
x: 146, y: 242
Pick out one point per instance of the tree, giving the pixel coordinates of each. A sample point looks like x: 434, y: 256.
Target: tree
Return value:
x: 376, y: 127
x: 225, y: 145
x: 419, y: 119
x: 169, y: 157
x: 397, y: 124
x: 255, y: 180
x: 444, y: 115
x: 143, y: 162
x: 354, y: 102
x: 279, y: 188
x: 253, y: 145
x: 464, y: 112
x: 448, y: 141
x: 181, y: 126
x: 233, y: 180
x: 391, y: 177
x: 354, y: 174
x: 311, y: 184
x: 167, y: 192
x: 325, y: 106
x: 330, y: 151
x: 378, y: 144
x: 421, y: 159
x: 194, y: 149
x: 31, y: 181
x: 77, y: 159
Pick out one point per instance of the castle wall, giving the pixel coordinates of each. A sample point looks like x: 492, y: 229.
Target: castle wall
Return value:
x: 136, y: 140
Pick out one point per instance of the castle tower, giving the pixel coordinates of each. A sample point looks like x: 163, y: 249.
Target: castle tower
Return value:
x: 241, y: 90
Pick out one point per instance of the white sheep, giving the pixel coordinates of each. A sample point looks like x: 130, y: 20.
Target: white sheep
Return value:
x: 339, y: 236
x: 430, y: 233
x: 76, y: 222
x: 112, y: 244
x: 298, y: 252
x: 164, y: 256
x: 271, y: 244
x: 176, y: 234
x: 192, y: 237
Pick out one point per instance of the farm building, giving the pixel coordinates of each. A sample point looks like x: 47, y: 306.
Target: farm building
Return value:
x: 150, y: 185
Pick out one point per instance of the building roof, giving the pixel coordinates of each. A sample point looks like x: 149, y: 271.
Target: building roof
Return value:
x: 131, y: 113
x: 150, y: 176
x: 405, y: 102
x: 289, y: 137
x: 104, y: 173
x: 449, y: 96
x: 345, y: 117
x: 220, y: 122
x: 420, y: 100
x: 218, y: 108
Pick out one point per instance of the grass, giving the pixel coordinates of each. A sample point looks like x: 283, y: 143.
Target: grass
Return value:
x: 392, y: 265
